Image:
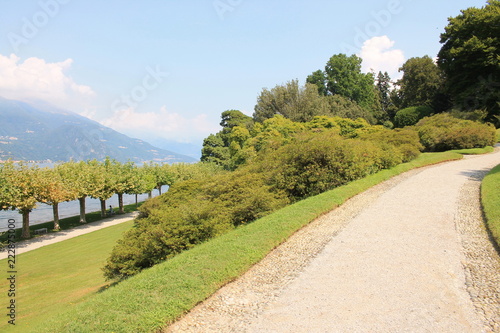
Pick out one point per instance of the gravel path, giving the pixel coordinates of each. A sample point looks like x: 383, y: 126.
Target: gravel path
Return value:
x: 47, y: 239
x: 409, y: 255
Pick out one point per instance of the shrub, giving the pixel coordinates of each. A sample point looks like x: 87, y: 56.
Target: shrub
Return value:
x: 444, y: 132
x: 191, y: 212
x: 410, y: 116
x: 316, y: 163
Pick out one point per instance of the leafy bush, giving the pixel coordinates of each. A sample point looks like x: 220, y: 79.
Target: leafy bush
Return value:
x: 410, y: 116
x: 191, y: 212
x: 444, y: 132
x: 315, y: 163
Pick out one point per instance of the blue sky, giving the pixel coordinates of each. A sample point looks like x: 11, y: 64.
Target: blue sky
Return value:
x: 165, y: 68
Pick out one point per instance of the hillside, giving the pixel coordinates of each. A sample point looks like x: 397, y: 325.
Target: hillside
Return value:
x: 40, y: 133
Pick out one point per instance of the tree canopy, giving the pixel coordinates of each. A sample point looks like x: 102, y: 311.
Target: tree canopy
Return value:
x: 421, y: 84
x: 470, y: 58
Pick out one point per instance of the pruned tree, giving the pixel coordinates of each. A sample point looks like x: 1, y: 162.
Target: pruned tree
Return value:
x: 23, y: 181
x: 52, y: 191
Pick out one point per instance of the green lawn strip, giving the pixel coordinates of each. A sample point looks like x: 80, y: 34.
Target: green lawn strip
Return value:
x: 474, y: 151
x: 161, y: 294
x: 490, y: 197
x: 66, y: 223
x: 53, y: 278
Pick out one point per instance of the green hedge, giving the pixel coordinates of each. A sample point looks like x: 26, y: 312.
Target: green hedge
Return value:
x: 444, y: 132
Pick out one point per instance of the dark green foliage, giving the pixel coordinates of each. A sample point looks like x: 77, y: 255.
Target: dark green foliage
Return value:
x: 470, y: 59
x: 217, y: 148
x: 422, y: 84
x: 410, y: 116
x: 318, y: 78
x: 444, y: 132
x: 384, y: 94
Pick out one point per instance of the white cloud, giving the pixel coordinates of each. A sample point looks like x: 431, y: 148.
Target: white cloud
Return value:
x: 35, y: 79
x: 378, y: 55
x: 162, y: 124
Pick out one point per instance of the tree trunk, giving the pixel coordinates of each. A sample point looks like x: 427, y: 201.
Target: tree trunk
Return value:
x: 159, y: 190
x: 82, y: 210
x: 26, y: 223
x: 55, y: 210
x: 120, y: 203
x: 150, y: 194
x: 136, y: 202
x: 103, y: 208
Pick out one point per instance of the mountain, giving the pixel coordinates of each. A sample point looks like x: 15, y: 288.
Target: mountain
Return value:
x: 35, y: 132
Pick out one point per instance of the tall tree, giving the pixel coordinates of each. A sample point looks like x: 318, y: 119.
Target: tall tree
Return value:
x: 344, y: 77
x: 470, y: 58
x: 421, y: 84
x: 384, y: 89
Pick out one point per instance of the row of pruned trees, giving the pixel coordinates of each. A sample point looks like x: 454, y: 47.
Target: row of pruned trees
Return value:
x: 24, y: 186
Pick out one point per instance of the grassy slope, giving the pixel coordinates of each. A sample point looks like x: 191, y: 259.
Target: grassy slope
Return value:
x: 490, y: 197
x: 161, y: 294
x: 56, y: 276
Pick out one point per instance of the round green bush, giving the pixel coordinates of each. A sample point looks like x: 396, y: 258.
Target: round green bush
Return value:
x: 410, y: 116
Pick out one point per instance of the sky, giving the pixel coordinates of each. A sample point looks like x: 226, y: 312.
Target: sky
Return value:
x: 168, y: 68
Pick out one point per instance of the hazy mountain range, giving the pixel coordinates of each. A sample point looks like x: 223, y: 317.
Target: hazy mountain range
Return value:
x: 38, y: 132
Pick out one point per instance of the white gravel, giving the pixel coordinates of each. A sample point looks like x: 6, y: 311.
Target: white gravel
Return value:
x: 393, y: 259
x: 51, y: 238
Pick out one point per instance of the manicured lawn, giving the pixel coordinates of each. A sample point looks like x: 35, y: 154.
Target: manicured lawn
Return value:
x: 53, y: 278
x: 490, y: 197
x: 474, y: 151
x: 159, y: 295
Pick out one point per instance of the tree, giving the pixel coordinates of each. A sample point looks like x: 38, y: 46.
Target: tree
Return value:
x: 384, y: 93
x: 77, y: 177
x: 216, y: 146
x: 24, y: 183
x: 421, y: 84
x: 470, y: 58
x: 101, y: 176
x: 291, y: 101
x: 344, y: 77
x: 145, y: 181
x: 52, y: 191
x: 6, y: 191
x: 318, y: 78
x: 123, y: 180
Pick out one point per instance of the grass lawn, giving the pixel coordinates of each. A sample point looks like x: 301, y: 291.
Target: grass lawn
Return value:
x: 159, y: 295
x: 53, y: 278
x: 490, y: 197
x: 474, y: 151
